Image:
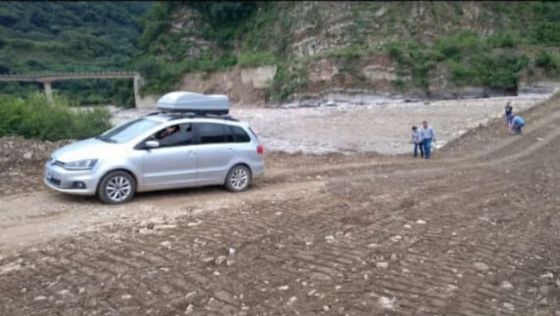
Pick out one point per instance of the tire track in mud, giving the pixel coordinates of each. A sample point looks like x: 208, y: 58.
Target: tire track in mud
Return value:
x: 329, y: 261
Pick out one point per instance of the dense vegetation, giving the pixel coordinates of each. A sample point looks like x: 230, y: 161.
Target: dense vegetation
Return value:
x: 163, y: 43
x: 33, y: 117
x: 165, y: 57
x: 471, y: 60
x: 493, y: 61
x: 71, y: 36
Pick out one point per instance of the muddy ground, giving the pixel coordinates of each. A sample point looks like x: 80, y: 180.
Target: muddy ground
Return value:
x: 474, y: 231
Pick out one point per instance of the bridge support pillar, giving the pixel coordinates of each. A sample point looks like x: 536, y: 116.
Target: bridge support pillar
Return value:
x: 48, y: 91
x: 138, y: 82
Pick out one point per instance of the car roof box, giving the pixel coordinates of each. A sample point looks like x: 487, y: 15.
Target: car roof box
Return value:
x: 191, y: 102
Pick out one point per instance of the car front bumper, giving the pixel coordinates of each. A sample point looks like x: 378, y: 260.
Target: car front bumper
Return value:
x: 82, y: 182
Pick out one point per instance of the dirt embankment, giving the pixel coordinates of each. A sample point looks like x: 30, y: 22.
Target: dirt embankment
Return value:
x: 21, y: 160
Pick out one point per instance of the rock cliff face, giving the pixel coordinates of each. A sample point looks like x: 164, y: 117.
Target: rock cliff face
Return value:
x: 246, y: 86
x: 365, y: 46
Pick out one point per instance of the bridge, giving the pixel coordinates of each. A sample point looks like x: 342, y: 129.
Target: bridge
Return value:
x: 46, y: 78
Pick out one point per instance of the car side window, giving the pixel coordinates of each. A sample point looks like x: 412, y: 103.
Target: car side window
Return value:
x: 175, y: 135
x: 240, y: 136
x: 211, y: 133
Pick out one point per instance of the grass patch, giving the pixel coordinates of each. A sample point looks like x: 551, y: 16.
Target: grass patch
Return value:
x: 350, y: 52
x: 255, y: 59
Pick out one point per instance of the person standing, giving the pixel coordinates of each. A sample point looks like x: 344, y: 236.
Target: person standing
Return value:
x: 417, y: 143
x: 427, y: 136
x: 509, y: 114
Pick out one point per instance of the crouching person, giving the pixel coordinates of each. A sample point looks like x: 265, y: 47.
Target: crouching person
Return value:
x: 517, y: 124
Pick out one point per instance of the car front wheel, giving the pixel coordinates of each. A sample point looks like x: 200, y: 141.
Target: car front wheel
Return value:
x: 238, y: 178
x: 116, y: 187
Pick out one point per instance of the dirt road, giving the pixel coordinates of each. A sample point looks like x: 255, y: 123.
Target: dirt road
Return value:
x: 475, y: 231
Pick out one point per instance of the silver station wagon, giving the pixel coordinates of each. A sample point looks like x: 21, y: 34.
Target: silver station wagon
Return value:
x: 184, y: 145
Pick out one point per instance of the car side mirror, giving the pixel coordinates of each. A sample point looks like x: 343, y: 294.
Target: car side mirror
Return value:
x: 152, y: 144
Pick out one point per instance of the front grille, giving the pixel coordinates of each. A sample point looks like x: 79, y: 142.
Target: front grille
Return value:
x: 54, y: 181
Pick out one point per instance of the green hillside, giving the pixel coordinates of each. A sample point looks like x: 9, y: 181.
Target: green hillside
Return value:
x: 71, y: 36
x: 481, y: 44
x: 489, y: 44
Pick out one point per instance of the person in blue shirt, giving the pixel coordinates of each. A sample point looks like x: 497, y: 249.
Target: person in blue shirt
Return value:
x: 427, y: 136
x: 517, y: 124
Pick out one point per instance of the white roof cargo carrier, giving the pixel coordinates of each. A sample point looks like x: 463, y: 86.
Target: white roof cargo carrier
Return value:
x: 196, y: 103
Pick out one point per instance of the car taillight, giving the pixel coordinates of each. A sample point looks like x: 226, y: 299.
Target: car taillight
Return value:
x: 260, y: 149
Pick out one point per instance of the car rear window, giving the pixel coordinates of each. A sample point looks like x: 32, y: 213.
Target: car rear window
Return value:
x: 254, y: 134
x: 239, y: 135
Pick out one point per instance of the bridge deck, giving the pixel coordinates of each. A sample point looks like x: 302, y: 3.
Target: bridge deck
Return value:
x: 42, y: 77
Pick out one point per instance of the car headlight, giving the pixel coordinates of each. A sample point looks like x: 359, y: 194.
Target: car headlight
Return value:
x: 85, y: 164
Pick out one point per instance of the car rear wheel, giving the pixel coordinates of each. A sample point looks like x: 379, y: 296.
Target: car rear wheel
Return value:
x: 238, y: 178
x: 116, y: 187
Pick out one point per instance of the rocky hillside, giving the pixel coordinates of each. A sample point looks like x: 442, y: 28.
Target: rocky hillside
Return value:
x: 267, y: 52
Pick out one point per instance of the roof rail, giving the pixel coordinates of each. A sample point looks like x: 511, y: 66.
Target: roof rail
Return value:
x: 175, y: 115
x: 153, y: 113
x: 179, y: 115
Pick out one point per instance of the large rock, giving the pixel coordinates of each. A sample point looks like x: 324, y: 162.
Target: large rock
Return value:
x: 377, y: 72
x: 259, y: 77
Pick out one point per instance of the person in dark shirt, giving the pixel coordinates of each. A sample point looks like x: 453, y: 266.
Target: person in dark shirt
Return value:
x: 509, y: 114
x: 417, y: 143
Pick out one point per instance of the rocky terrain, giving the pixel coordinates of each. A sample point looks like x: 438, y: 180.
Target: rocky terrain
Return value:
x: 475, y: 231
x: 361, y: 123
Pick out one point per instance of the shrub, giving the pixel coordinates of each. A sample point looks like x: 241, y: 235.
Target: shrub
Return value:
x: 223, y: 12
x: 462, y: 74
x: 549, y: 62
x: 546, y: 32
x: 415, y: 59
x: 288, y: 79
x: 33, y: 117
x: 502, y: 40
x: 500, y: 70
x: 395, y: 51
x: 456, y: 46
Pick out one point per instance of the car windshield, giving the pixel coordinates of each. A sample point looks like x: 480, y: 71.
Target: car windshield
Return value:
x: 127, y: 131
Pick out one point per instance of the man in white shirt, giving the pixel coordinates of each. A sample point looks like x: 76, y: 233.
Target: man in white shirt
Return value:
x: 427, y: 136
